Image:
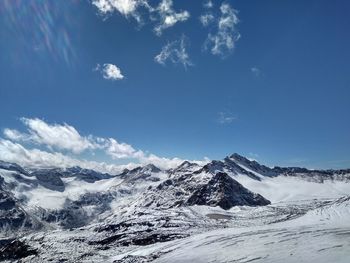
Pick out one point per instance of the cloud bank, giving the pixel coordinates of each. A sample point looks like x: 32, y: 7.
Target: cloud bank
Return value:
x: 61, y: 145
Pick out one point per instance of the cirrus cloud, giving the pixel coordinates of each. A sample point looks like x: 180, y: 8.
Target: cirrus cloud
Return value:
x: 168, y: 16
x: 174, y: 52
x: 223, y: 41
x: 226, y: 117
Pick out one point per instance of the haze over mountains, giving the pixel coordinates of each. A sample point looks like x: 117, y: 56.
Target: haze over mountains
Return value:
x: 81, y: 215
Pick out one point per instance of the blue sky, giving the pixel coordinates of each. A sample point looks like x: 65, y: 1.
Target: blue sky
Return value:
x: 279, y: 94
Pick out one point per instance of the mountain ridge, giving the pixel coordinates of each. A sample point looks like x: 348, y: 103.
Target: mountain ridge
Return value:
x: 146, y: 205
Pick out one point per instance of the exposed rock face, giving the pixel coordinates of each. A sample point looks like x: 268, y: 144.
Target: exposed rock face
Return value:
x: 50, y: 179
x: 140, y: 173
x: 318, y: 176
x: 86, y: 175
x: 225, y: 192
x: 185, y: 167
x: 12, y: 167
x: 16, y: 250
x: 227, y: 165
x: 11, y: 215
x: 252, y: 165
x: 217, y: 189
x: 74, y: 214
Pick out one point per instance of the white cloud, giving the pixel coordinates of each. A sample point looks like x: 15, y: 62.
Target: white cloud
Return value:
x: 127, y: 8
x: 122, y: 150
x: 163, y: 13
x: 17, y: 153
x: 110, y: 71
x: 16, y: 135
x: 223, y: 41
x: 168, y: 16
x: 63, y: 137
x: 174, y: 52
x: 66, y: 137
x: 226, y: 118
x: 57, y: 137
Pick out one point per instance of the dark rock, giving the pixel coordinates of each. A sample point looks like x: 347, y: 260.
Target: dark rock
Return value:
x: 50, y: 179
x: 225, y: 192
x: 86, y: 175
x: 12, y: 216
x: 16, y: 250
x: 137, y: 259
x: 12, y: 167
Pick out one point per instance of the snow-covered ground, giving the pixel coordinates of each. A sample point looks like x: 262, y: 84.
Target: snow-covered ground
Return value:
x: 143, y: 215
x: 284, y: 188
x: 321, y: 235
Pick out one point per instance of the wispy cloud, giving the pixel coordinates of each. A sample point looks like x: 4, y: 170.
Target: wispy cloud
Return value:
x: 208, y: 4
x: 256, y: 71
x: 226, y: 117
x: 174, y: 52
x: 168, y: 16
x: 223, y: 41
x: 61, y: 145
x: 221, y: 21
x: 110, y: 71
x: 206, y: 19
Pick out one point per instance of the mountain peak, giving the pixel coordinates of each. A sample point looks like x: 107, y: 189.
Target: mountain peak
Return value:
x: 238, y: 157
x: 151, y: 168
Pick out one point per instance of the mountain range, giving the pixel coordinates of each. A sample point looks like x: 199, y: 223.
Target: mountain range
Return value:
x: 146, y: 214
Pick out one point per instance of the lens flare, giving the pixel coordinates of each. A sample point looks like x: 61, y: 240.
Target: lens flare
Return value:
x: 41, y: 26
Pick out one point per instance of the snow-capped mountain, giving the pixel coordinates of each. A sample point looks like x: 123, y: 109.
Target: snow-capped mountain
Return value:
x: 79, y: 215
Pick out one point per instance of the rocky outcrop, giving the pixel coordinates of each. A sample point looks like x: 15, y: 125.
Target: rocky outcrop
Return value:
x: 16, y: 250
x: 50, y: 179
x: 217, y: 189
x: 12, y: 216
x: 225, y: 192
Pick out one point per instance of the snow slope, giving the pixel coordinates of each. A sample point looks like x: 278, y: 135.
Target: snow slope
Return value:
x: 284, y: 188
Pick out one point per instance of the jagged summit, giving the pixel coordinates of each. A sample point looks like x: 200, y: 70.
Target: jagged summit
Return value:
x: 185, y: 167
x: 252, y: 165
x: 151, y: 168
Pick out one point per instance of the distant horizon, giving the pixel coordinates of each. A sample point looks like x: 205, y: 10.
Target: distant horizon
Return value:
x: 122, y: 168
